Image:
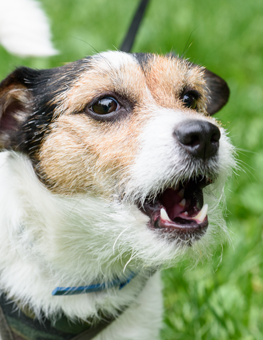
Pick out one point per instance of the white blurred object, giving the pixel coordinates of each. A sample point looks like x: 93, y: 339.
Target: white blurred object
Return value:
x: 24, y: 28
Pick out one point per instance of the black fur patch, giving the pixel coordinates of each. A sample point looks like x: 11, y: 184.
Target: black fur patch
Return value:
x: 143, y: 59
x: 45, y: 86
x: 218, y: 92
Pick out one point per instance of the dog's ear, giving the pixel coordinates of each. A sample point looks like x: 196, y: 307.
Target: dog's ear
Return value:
x: 218, y: 92
x: 15, y: 107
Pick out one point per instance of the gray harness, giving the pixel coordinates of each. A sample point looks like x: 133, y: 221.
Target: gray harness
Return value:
x: 17, y: 324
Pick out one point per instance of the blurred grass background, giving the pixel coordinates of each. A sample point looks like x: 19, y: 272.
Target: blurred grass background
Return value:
x: 210, y: 302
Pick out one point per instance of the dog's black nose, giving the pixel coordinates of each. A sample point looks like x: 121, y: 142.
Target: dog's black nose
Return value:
x: 200, y: 138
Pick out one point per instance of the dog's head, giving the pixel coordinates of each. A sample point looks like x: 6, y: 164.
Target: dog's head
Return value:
x: 129, y: 163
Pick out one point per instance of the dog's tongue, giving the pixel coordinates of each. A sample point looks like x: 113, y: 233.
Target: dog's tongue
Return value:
x: 173, y: 201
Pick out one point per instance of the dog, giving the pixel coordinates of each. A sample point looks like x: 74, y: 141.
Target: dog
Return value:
x: 111, y: 169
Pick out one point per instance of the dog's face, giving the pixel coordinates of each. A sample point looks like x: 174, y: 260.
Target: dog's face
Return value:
x: 130, y: 140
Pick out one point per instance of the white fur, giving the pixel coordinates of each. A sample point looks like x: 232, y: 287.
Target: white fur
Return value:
x: 24, y: 28
x: 112, y: 61
x: 49, y: 241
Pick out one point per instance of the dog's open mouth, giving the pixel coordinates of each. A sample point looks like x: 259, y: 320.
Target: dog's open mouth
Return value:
x: 180, y: 212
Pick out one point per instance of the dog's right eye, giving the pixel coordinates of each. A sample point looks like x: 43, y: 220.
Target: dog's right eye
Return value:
x: 190, y: 98
x: 105, y: 106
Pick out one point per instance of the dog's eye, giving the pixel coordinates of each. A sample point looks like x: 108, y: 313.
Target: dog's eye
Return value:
x: 105, y: 105
x: 189, y: 100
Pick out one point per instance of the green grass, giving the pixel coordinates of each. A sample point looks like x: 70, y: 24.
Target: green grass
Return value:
x: 209, y: 302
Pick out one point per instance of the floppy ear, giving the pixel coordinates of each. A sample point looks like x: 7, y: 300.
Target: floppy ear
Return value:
x: 218, y: 92
x: 15, y: 107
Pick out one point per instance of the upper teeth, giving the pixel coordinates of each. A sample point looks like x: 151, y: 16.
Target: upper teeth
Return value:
x: 164, y: 215
x: 202, y: 214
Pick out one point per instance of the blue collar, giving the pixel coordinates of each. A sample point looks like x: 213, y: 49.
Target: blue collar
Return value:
x: 92, y: 288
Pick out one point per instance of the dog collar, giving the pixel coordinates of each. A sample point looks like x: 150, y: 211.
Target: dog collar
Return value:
x: 92, y: 288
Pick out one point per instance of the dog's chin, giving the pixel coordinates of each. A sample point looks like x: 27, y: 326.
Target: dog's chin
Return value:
x: 179, y: 213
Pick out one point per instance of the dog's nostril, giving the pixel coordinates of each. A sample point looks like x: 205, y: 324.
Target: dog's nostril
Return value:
x: 191, y: 139
x: 215, y: 136
x: 199, y: 138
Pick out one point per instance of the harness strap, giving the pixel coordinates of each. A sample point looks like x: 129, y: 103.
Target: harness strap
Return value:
x: 135, y: 24
x: 20, y: 324
x: 5, y: 332
x: 91, y: 333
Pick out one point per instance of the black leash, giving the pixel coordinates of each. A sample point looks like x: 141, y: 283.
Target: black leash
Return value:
x: 135, y: 24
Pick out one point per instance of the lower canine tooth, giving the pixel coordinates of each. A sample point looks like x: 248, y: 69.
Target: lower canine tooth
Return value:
x: 164, y: 215
x: 202, y: 214
x: 182, y: 203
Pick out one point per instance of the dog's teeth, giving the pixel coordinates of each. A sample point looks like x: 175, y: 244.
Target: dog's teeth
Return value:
x: 164, y: 215
x: 181, y: 193
x: 202, y: 214
x: 182, y: 203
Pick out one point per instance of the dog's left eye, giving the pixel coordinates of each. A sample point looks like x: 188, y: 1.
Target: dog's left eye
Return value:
x: 105, y: 106
x: 189, y: 100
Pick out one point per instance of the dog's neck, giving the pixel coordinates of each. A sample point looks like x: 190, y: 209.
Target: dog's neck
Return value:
x: 30, y: 277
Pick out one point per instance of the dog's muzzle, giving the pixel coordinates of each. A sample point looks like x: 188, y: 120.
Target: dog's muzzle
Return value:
x: 178, y: 211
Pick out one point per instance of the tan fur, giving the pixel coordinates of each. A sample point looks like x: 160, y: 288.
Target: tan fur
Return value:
x: 82, y: 155
x: 167, y: 77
